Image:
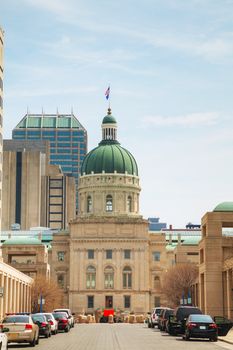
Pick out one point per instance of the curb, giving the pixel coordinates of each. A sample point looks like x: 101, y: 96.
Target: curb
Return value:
x: 226, y: 341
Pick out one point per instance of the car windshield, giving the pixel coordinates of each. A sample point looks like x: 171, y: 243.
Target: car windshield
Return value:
x: 16, y: 319
x: 157, y: 311
x: 200, y: 318
x: 184, y: 312
x: 168, y: 313
x: 39, y: 318
x: 59, y: 315
x: 48, y: 317
x: 66, y: 311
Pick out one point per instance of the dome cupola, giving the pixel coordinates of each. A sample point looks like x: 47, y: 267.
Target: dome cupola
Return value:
x: 109, y: 156
x: 109, y: 183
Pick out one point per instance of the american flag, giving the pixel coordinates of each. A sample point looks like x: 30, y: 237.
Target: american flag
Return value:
x: 107, y: 93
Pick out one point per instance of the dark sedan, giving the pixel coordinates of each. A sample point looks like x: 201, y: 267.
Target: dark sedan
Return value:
x: 201, y: 326
x: 43, y: 324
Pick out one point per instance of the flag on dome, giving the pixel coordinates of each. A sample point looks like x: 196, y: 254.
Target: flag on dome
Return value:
x: 107, y: 93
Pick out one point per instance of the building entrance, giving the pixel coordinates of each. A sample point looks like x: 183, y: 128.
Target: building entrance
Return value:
x: 108, y: 301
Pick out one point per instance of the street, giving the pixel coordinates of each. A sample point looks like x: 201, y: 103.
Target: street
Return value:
x: 119, y: 337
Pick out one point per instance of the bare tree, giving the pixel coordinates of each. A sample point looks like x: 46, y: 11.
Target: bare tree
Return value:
x: 177, y: 281
x: 50, y: 292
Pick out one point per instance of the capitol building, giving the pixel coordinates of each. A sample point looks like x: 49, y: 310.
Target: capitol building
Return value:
x: 108, y: 258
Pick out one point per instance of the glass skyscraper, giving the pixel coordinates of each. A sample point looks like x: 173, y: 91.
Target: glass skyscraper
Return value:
x: 67, y: 136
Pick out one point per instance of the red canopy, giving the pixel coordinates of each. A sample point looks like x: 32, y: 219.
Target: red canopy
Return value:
x: 108, y: 312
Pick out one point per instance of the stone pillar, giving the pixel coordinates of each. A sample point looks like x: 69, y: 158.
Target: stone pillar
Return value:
x: 10, y: 307
x: 229, y: 293
x: 2, y: 298
x: 18, y: 296
x: 5, y: 308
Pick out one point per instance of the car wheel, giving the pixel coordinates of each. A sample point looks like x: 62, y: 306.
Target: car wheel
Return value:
x: 215, y: 338
x: 149, y: 325
x: 47, y: 335
x: 186, y: 336
x: 37, y: 340
x: 152, y: 325
x: 33, y: 343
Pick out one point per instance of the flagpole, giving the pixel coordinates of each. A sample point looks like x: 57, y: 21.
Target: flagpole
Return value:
x: 109, y: 105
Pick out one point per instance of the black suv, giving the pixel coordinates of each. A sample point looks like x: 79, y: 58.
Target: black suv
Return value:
x: 176, y: 322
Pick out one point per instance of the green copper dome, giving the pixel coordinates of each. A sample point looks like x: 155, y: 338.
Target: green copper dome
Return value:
x: 109, y: 156
x: 224, y: 206
x: 109, y: 119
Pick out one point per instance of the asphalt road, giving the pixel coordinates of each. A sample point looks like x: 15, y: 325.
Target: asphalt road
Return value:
x: 119, y: 337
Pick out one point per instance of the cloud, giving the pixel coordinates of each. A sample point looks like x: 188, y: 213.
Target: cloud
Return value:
x: 188, y: 120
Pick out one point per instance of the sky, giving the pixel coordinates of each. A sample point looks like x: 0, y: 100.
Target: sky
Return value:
x: 170, y: 67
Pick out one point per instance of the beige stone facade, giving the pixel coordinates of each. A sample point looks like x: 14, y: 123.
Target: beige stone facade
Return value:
x: 34, y: 192
x: 16, y: 290
x: 31, y: 259
x: 216, y: 265
x: 1, y: 115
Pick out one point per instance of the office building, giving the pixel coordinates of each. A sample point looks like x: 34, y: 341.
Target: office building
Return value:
x: 67, y: 137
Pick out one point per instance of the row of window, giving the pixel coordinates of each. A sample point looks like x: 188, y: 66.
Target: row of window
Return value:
x: 76, y: 134
x: 109, y: 204
x: 108, y: 254
x: 108, y: 277
x: 109, y: 301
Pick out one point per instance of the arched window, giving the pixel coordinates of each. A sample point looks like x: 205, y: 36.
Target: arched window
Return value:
x: 129, y: 204
x: 127, y: 277
x: 108, y: 277
x: 91, y: 277
x: 156, y: 282
x: 109, y: 203
x: 89, y: 204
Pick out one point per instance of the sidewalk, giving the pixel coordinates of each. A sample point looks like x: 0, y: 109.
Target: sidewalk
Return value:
x: 228, y: 338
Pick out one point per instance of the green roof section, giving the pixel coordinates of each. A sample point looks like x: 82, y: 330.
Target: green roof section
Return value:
x: 191, y: 240
x: 224, y: 206
x: 49, y: 121
x: 109, y: 157
x: 109, y: 119
x: 22, y: 241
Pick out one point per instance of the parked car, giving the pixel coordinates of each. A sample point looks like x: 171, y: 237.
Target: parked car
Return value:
x: 20, y: 329
x: 43, y: 324
x: 163, y: 318
x: 176, y: 322
x: 3, y: 340
x: 53, y: 323
x: 62, y: 319
x: 154, y: 316
x: 201, y: 326
x: 70, y: 315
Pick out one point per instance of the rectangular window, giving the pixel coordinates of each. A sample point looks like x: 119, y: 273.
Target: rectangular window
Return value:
x: 127, y: 253
x: 60, y: 256
x: 90, y: 254
x: 156, y: 256
x: 90, y: 301
x: 60, y: 281
x: 127, y: 301
x: 108, y: 254
x: 157, y: 302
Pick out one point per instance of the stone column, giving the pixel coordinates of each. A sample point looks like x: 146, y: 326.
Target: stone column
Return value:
x: 5, y: 308
x: 10, y: 307
x: 229, y: 293
x: 2, y: 298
